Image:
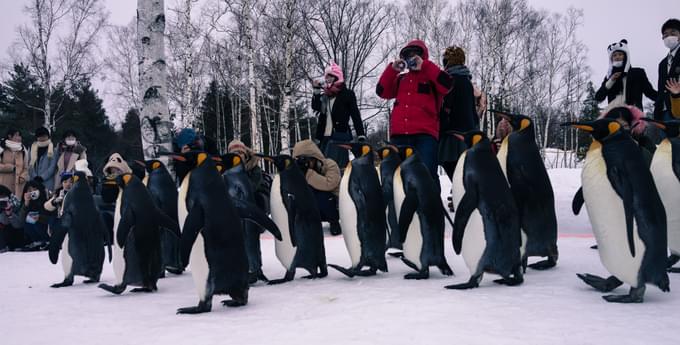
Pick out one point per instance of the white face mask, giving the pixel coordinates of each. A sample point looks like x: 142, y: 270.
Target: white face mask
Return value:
x: 70, y: 142
x: 671, y: 42
x: 617, y: 63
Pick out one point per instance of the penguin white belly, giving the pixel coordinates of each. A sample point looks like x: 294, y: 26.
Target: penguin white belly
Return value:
x: 669, y: 190
x: 474, y: 240
x: 182, y: 212
x: 284, y: 249
x: 503, y: 160
x: 348, y: 219
x: 200, y: 270
x: 607, y: 217
x: 413, y: 245
x: 118, y: 259
x: 66, y: 259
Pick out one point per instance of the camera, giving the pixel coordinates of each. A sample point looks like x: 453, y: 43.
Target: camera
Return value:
x: 34, y: 195
x: 4, y: 203
x: 303, y: 163
x: 409, y: 63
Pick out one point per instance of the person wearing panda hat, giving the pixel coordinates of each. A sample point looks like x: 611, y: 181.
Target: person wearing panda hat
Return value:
x: 624, y: 85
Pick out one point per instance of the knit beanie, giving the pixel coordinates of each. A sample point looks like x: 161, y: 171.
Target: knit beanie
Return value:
x: 335, y: 71
x: 453, y: 56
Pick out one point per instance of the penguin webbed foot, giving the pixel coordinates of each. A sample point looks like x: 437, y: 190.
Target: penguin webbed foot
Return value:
x: 599, y: 283
x: 116, y: 289
x: 594, y: 246
x: 471, y: 284
x: 636, y: 295
x: 238, y: 299
x: 674, y: 270
x: 288, y: 277
x: 548, y: 263
x: 174, y: 270
x: 516, y: 279
x: 672, y: 260
x: 144, y: 289
x: 445, y: 269
x: 367, y: 273
x: 65, y: 283
x: 202, y: 307
x: 348, y: 272
x: 231, y: 303
x: 397, y: 255
x: 425, y: 274
x: 254, y: 277
x: 91, y: 280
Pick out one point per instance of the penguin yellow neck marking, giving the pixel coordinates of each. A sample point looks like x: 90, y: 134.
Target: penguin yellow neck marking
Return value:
x: 524, y: 124
x: 594, y: 145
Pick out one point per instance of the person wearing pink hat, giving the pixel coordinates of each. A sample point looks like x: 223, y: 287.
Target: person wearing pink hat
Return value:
x: 630, y: 118
x: 336, y: 105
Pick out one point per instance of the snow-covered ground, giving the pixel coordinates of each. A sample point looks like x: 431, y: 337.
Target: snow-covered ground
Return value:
x: 551, y: 307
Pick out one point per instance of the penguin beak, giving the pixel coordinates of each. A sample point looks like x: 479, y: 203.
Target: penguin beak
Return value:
x: 578, y: 125
x: 502, y: 114
x: 178, y: 158
x: 216, y: 159
x: 656, y: 123
x: 142, y: 164
x: 458, y: 135
x: 345, y: 146
x: 265, y: 157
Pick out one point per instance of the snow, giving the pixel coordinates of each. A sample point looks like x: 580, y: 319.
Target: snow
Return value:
x: 550, y: 307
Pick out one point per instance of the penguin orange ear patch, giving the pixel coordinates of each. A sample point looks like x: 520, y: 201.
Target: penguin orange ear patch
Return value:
x: 219, y: 168
x: 236, y: 160
x: 476, y: 138
x: 613, y: 127
x: 75, y: 178
x: 201, y: 158
x: 524, y: 123
x: 365, y: 150
x: 385, y: 153
x: 127, y: 178
x: 155, y: 165
x: 409, y: 152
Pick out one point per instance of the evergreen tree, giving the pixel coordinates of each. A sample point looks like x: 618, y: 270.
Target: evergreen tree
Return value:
x: 590, y: 112
x: 21, y: 101
x: 216, y: 115
x: 130, y: 138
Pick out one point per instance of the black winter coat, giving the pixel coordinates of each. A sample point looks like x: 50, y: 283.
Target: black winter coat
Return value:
x: 344, y: 107
x: 458, y: 111
x: 636, y: 85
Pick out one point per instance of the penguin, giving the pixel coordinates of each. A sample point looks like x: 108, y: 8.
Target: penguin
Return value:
x: 523, y: 166
x: 389, y: 161
x: 486, y: 226
x: 163, y: 191
x: 362, y: 213
x: 212, y: 239
x: 626, y: 212
x: 415, y: 193
x: 665, y: 169
x: 137, y: 234
x: 241, y: 189
x: 82, y: 235
x: 294, y: 210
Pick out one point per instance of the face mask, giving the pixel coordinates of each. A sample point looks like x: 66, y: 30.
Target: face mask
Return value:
x: 70, y: 142
x: 671, y: 42
x: 617, y: 63
x: 35, y: 195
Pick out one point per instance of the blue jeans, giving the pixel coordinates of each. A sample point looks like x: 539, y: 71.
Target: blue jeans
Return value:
x: 426, y: 146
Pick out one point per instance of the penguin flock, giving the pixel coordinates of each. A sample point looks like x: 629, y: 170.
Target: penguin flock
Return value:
x: 388, y: 204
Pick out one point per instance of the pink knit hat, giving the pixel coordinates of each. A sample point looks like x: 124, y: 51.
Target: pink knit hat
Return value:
x: 636, y: 124
x: 335, y: 71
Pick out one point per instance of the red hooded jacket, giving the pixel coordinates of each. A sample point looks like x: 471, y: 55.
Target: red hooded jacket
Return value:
x: 418, y: 96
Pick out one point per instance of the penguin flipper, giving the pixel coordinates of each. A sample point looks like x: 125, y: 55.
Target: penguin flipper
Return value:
x: 467, y: 204
x: 192, y: 226
x: 408, y: 209
x: 57, y: 239
x: 254, y: 214
x: 622, y: 186
x: 168, y: 223
x: 289, y: 203
x: 108, y: 241
x: 578, y: 201
x: 124, y: 226
x: 675, y: 156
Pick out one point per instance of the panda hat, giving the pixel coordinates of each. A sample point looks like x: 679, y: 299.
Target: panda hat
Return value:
x: 621, y: 46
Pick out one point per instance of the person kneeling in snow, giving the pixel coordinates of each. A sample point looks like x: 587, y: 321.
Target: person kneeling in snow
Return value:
x: 323, y: 175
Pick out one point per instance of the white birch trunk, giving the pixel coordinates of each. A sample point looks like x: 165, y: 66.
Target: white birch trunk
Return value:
x: 288, y: 70
x: 154, y: 114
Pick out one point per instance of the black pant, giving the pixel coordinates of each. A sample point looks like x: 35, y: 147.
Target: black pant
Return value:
x: 328, y: 206
x: 11, y: 238
x: 338, y: 154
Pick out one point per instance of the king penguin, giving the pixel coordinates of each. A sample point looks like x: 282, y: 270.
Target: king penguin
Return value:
x: 626, y: 212
x: 163, y: 191
x: 241, y: 190
x: 362, y: 211
x: 137, y: 228
x: 389, y: 161
x: 666, y: 172
x: 415, y: 193
x: 523, y: 166
x: 81, y: 235
x: 212, y: 239
x: 294, y: 210
x: 486, y: 224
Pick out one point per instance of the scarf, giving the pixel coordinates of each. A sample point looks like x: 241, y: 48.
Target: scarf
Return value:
x: 461, y: 70
x: 34, y: 151
x: 333, y: 89
x: 13, y: 145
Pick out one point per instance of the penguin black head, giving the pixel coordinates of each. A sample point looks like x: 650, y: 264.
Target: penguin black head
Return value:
x: 406, y: 151
x: 600, y: 129
x: 192, y: 159
x: 518, y: 122
x: 358, y: 149
x: 79, y: 176
x: 470, y: 138
x: 282, y: 162
x: 671, y: 128
x: 387, y: 151
x: 231, y: 160
x: 151, y: 165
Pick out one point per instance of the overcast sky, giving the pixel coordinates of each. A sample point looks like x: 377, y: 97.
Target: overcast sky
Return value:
x: 605, y: 21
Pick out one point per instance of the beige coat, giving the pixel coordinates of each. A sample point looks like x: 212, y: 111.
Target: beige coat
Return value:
x: 14, y: 170
x: 329, y: 178
x: 79, y: 153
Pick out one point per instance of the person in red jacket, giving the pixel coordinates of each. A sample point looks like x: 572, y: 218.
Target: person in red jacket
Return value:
x: 418, y: 93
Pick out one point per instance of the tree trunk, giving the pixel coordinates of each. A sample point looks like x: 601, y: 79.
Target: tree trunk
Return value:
x: 288, y: 70
x: 154, y: 116
x: 255, y: 138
